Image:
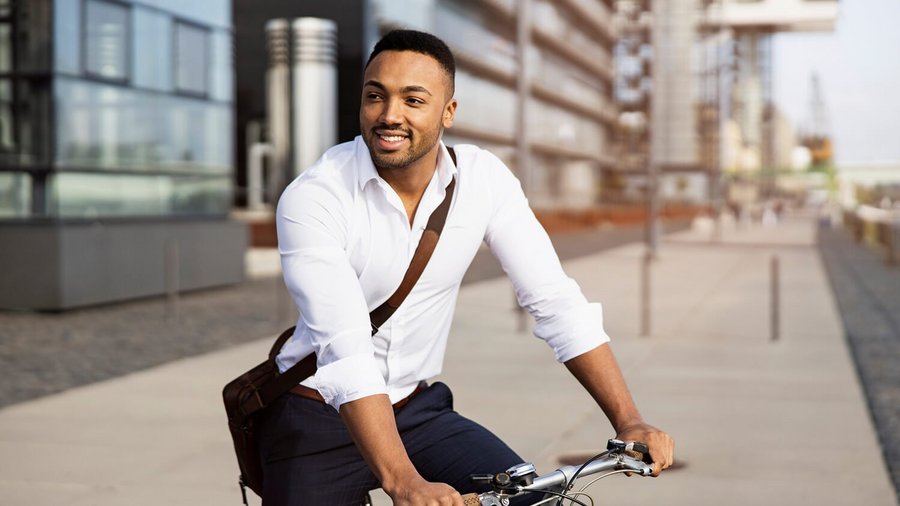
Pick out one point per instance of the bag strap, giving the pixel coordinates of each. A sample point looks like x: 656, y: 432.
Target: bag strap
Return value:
x: 307, y: 367
x: 420, y: 258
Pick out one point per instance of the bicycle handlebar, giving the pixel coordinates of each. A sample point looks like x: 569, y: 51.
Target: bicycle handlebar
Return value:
x: 522, y: 478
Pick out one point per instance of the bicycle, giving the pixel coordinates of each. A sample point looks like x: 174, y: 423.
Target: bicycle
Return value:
x: 619, y: 457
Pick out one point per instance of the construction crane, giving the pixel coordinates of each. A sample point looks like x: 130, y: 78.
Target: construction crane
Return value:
x: 816, y: 135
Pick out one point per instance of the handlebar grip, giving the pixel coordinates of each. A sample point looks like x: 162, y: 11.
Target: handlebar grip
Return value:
x: 644, y: 450
x: 471, y: 500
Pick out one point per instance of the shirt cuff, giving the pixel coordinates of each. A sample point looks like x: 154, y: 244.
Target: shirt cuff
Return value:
x: 581, y: 332
x: 349, y: 379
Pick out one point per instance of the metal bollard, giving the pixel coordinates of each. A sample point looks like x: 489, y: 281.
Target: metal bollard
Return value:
x: 645, y: 293
x: 172, y: 275
x: 775, y: 313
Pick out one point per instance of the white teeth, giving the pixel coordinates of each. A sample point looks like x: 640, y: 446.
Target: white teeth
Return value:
x: 392, y: 138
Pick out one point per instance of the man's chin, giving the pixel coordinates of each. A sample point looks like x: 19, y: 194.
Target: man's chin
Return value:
x: 390, y: 161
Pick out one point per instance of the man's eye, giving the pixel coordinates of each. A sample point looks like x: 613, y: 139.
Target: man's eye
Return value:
x: 373, y: 96
x: 415, y: 101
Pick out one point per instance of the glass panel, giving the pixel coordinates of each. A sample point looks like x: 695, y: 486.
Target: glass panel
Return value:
x: 15, y: 195
x: 67, y: 37
x: 79, y: 195
x: 4, y: 8
x: 552, y: 126
x: 206, y: 12
x: 5, y: 47
x: 106, y: 39
x: 467, y: 33
x: 416, y: 14
x: 25, y: 121
x: 191, y: 58
x: 152, y: 55
x: 484, y: 105
x: 201, y: 196
x: 7, y: 121
x: 105, y: 126
x: 221, y: 67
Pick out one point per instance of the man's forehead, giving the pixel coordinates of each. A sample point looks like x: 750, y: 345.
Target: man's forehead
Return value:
x: 399, y: 61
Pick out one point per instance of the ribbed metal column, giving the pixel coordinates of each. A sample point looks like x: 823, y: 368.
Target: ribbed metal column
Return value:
x: 315, y: 89
x: 278, y: 100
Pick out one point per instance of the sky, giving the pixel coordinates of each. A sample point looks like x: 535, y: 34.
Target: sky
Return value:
x: 859, y: 70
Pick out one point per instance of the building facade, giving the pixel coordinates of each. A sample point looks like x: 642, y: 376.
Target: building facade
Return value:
x: 564, y: 85
x: 116, y: 150
x: 561, y: 146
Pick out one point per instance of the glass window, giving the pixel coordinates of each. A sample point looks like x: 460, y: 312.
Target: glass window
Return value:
x: 79, y: 195
x: 4, y: 7
x: 67, y: 37
x: 191, y: 58
x: 7, y: 123
x: 105, y: 126
x: 15, y: 195
x: 152, y: 50
x: 5, y: 47
x: 484, y: 105
x: 106, y: 40
x: 222, y: 67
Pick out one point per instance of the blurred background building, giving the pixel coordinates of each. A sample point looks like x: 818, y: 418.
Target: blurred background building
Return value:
x: 116, y: 150
x: 695, y: 88
x: 131, y: 130
x: 568, y: 79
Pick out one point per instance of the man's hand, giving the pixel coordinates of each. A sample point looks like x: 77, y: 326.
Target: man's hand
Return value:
x: 662, y: 446
x: 419, y: 492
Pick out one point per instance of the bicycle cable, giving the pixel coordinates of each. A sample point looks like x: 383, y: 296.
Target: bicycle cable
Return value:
x: 561, y: 496
x: 595, y: 480
x: 575, y: 476
x: 568, y: 496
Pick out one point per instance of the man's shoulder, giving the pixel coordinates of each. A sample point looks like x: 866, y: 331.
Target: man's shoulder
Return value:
x: 331, y: 178
x: 336, y: 168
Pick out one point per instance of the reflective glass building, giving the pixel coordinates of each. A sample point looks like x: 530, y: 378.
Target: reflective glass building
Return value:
x: 116, y: 150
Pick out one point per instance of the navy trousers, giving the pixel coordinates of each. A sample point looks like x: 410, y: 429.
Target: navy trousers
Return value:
x: 309, y: 458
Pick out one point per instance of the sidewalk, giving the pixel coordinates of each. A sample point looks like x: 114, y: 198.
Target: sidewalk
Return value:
x: 755, y: 421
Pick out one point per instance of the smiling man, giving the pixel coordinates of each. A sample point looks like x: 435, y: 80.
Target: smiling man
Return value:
x: 347, y: 229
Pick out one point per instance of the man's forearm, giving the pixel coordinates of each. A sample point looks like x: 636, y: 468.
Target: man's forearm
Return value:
x: 599, y: 373
x: 371, y: 423
x: 373, y: 427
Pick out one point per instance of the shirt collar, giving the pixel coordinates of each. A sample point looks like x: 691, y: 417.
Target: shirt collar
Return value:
x: 446, y: 169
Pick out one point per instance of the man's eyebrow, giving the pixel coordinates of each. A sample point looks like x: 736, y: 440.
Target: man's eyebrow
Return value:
x: 420, y: 89
x: 405, y: 89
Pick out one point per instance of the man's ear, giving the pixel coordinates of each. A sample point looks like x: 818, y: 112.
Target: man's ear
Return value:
x: 449, y: 113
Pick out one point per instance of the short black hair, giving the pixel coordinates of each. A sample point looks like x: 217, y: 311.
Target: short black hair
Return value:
x: 418, y: 42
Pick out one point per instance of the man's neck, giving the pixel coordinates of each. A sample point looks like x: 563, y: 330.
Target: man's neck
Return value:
x: 410, y: 182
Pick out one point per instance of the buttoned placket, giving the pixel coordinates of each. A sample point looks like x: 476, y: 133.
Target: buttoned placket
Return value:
x: 396, y: 340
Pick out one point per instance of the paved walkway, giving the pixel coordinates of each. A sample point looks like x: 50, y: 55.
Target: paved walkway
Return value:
x: 756, y: 422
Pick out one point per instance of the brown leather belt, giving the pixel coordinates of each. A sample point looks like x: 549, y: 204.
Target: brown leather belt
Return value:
x: 312, y: 393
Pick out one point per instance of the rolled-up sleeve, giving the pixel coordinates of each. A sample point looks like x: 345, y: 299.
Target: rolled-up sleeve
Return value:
x: 313, y: 227
x: 563, y: 316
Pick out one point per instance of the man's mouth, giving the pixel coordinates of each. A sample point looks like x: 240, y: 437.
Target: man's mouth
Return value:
x: 390, y: 140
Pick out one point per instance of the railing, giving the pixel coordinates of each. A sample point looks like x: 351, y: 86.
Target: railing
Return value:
x: 877, y: 228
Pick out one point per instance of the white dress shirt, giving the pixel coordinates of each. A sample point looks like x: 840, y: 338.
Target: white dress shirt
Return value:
x: 346, y: 242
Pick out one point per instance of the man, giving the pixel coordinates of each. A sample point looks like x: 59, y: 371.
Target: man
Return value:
x: 347, y: 230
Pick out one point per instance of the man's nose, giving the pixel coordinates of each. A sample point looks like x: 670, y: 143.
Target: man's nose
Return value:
x: 391, y: 113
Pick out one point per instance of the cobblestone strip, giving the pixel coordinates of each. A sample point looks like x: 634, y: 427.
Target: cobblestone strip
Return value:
x: 868, y: 296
